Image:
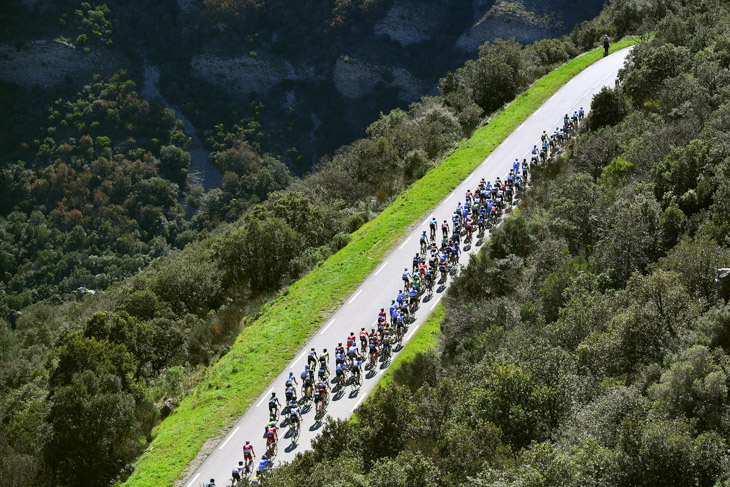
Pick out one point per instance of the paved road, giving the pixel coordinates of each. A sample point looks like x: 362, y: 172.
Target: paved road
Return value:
x: 362, y: 307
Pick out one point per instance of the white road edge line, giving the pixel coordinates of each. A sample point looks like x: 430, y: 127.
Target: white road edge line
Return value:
x: 194, y: 478
x: 229, y: 437
x: 425, y: 222
x: 381, y: 268
x: 298, y: 359
x: 436, y: 302
x: 358, y: 403
x: 355, y: 296
x: 263, y: 398
x: 407, y: 240
x: 328, y: 325
x: 451, y: 195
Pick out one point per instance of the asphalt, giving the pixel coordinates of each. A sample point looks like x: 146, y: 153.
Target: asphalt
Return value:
x: 361, y: 308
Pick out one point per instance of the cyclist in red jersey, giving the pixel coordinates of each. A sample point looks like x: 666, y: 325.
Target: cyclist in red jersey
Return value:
x: 271, y: 436
x: 351, y: 339
x: 248, y: 454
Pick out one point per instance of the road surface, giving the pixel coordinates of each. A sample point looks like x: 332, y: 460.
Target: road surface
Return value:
x: 361, y: 308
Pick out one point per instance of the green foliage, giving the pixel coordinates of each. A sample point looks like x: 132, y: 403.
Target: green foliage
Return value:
x: 608, y: 108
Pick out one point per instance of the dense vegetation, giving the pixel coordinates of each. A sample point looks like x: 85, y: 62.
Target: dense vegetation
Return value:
x: 587, y: 344
x: 84, y: 383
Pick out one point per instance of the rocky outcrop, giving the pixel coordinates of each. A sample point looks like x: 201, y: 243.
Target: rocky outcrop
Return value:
x: 506, y: 19
x: 244, y: 74
x: 46, y: 63
x: 354, y: 78
x: 408, y: 22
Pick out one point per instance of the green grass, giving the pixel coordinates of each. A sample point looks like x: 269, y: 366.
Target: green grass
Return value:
x: 264, y: 348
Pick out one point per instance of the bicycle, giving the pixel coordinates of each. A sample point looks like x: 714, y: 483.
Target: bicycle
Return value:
x: 294, y: 431
x: 306, y: 394
x: 373, y: 358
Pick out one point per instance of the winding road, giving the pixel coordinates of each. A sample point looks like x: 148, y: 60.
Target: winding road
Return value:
x: 361, y: 308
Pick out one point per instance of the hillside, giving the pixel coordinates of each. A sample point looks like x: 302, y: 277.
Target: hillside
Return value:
x: 216, y: 57
x: 97, y: 196
x: 588, y: 345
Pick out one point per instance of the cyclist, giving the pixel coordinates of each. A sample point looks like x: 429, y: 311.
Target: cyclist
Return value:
x: 356, y: 370
x: 393, y: 308
x: 264, y: 465
x: 468, y: 196
x: 581, y: 114
x: 340, y: 359
x: 339, y: 349
x: 340, y: 371
x: 312, y: 358
x: 605, y: 45
x: 352, y: 353
x: 516, y: 165
x: 469, y: 228
x: 424, y: 242
x: 294, y: 415
x: 364, y: 335
x: 432, y: 225
x: 322, y: 372
x: 373, y: 341
x: 324, y: 359
x: 274, y: 405
x: 236, y: 473
x: 406, y: 277
x: 271, y: 437
x: 307, y: 381
x: 248, y: 454
x: 413, y: 298
x: 400, y: 297
x: 211, y: 483
x: 320, y: 396
x: 291, y: 395
x: 352, y: 338
x: 291, y: 380
x: 445, y: 229
x: 386, y: 346
x: 416, y: 261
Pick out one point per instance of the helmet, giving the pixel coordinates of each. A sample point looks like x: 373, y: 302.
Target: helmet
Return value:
x: 313, y: 349
x: 324, y: 350
x: 273, y: 394
x: 264, y: 456
x: 247, y: 442
x: 306, y: 367
x: 241, y: 463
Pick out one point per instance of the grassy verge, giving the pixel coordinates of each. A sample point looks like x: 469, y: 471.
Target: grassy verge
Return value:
x: 264, y: 348
x: 426, y: 338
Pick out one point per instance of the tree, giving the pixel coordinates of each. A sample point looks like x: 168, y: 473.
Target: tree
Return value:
x: 696, y: 386
x: 608, y: 108
x: 95, y: 430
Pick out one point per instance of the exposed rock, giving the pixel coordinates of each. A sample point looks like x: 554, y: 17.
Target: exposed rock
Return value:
x: 722, y: 283
x: 47, y: 63
x: 411, y: 88
x: 408, y: 22
x: 504, y: 20
x: 354, y: 78
x: 168, y: 407
x: 245, y: 74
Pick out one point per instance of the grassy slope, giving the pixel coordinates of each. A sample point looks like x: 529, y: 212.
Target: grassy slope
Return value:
x: 264, y: 348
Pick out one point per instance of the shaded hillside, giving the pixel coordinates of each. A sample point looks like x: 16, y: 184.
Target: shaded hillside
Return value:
x: 337, y: 62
